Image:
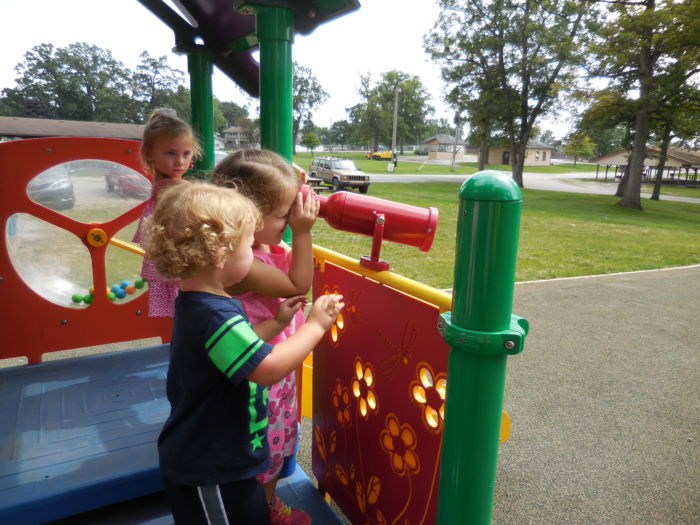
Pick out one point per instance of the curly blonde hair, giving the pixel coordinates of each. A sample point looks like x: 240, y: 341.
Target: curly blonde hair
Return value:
x: 164, y: 122
x: 192, y: 223
x: 262, y: 175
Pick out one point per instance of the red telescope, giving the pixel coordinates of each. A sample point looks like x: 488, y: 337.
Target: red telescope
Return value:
x: 380, y: 219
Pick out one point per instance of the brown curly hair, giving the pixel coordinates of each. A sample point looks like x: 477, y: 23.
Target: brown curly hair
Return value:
x: 192, y: 223
x: 262, y: 175
x: 164, y: 122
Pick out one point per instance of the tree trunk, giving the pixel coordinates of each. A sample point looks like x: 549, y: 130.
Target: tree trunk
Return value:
x: 295, y: 134
x: 483, y: 153
x: 484, y: 145
x: 633, y: 188
x: 518, y: 157
x: 623, y: 180
x: 662, y: 162
x: 519, y: 165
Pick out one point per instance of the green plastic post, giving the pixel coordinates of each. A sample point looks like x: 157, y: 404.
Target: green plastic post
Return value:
x: 275, y: 30
x: 481, y: 332
x: 199, y: 64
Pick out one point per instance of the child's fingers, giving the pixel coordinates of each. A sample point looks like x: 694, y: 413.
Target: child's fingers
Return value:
x: 294, y: 308
x: 297, y: 299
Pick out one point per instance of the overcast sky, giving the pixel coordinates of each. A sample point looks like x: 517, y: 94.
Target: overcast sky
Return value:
x: 382, y: 35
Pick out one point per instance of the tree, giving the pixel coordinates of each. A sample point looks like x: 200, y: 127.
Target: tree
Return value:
x: 78, y: 82
x: 307, y: 95
x: 85, y: 82
x: 311, y: 140
x: 232, y: 114
x: 636, y: 47
x: 678, y: 117
x: 607, y: 120
x: 530, y: 50
x: 372, y: 118
x: 251, y: 129
x: 440, y: 126
x: 365, y: 116
x: 154, y: 83
x: 340, y: 133
x: 579, y: 145
x: 547, y: 137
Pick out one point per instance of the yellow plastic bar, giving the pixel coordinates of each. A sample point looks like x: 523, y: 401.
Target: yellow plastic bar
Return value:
x: 128, y: 246
x: 421, y: 291
x: 418, y: 290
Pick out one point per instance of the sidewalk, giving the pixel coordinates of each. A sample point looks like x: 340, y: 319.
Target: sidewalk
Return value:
x: 604, y: 402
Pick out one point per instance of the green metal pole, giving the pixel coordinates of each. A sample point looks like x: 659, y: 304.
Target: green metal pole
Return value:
x: 275, y: 30
x: 199, y: 64
x: 481, y: 332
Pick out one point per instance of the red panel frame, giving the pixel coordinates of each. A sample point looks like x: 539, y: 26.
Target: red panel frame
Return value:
x: 33, y: 325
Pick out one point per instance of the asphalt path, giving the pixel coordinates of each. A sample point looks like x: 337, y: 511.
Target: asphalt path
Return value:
x: 566, y: 182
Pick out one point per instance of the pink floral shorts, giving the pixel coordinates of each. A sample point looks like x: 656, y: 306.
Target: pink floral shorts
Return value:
x: 282, y: 424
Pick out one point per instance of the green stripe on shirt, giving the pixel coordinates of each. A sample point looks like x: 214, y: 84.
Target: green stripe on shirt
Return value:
x: 236, y: 343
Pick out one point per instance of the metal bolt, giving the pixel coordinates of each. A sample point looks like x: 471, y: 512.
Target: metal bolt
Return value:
x: 64, y: 321
x: 509, y: 344
x: 138, y: 312
x: 48, y: 150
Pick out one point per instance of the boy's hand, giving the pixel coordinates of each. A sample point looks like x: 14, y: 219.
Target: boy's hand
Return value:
x: 289, y: 307
x: 325, y: 310
x: 304, y: 212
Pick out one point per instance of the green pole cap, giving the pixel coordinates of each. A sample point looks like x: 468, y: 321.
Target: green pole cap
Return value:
x: 490, y: 185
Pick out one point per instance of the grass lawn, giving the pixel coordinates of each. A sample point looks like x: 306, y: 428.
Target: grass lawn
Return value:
x: 379, y: 166
x: 409, y: 166
x: 562, y: 234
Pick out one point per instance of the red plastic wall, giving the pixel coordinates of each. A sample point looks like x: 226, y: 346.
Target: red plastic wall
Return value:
x: 30, y: 324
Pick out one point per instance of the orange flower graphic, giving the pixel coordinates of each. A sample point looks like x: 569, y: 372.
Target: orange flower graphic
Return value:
x: 428, y: 392
x: 362, y: 387
x: 340, y: 398
x: 339, y: 323
x: 399, y: 441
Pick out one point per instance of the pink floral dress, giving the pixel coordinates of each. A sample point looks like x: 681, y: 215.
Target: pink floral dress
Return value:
x: 161, y: 291
x: 282, y: 399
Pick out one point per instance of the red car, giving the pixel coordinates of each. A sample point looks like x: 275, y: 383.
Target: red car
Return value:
x: 127, y: 182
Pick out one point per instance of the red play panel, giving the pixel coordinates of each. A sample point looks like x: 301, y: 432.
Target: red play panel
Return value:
x: 378, y: 402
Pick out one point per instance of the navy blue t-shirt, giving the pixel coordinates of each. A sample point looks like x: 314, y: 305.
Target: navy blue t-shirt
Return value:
x: 217, y: 429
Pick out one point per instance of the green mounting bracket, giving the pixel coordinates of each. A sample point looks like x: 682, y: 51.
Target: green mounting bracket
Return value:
x: 503, y: 342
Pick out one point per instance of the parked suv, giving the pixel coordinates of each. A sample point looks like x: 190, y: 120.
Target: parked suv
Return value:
x: 339, y: 172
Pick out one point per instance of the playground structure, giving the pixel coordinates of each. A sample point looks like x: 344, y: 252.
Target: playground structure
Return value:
x: 82, y: 431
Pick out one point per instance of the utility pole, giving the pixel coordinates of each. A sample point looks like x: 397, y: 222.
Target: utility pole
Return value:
x: 458, y: 123
x: 393, y: 132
